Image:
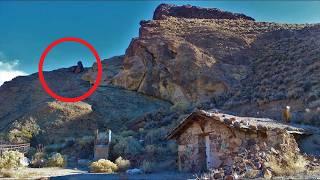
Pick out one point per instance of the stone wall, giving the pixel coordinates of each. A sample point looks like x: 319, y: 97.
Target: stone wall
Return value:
x: 188, y: 149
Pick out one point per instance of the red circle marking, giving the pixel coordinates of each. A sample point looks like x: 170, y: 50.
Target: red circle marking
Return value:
x: 45, y: 85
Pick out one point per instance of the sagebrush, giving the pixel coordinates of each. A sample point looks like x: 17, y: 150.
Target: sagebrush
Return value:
x: 56, y: 160
x: 123, y: 164
x: 103, y: 166
x: 11, y: 159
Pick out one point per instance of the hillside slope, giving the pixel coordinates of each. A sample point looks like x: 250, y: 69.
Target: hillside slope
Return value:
x: 24, y: 102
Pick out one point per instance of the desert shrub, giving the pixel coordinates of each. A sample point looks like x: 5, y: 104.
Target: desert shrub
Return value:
x: 85, y: 140
x: 56, y: 160
x: 311, y: 117
x: 150, y: 150
x: 156, y: 151
x: 55, y: 147
x: 148, y: 166
x: 289, y: 164
x: 172, y: 147
x: 39, y: 160
x: 3, y: 137
x: 307, y: 86
x: 69, y: 142
x: 295, y: 93
x: 31, y: 152
x: 128, y: 146
x: 155, y: 135
x: 122, y: 164
x: 11, y: 159
x: 314, y: 104
x: 103, y: 166
x: 180, y: 106
x: 23, y: 132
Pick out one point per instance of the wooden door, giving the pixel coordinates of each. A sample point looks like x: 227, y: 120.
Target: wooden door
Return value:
x: 202, y: 153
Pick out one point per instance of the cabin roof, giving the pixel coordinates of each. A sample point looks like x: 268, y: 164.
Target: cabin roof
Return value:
x: 240, y: 123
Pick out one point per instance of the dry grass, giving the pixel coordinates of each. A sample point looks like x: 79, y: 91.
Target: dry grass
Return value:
x: 37, y: 173
x: 122, y: 164
x: 72, y: 110
x: 288, y: 164
x: 17, y: 173
x: 103, y: 166
x: 148, y: 166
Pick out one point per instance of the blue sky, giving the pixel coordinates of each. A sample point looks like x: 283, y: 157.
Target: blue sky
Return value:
x: 28, y: 27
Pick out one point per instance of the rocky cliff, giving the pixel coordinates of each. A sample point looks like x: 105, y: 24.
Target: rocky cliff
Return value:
x: 203, y: 57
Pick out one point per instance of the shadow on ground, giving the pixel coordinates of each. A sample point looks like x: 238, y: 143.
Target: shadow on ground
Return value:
x: 154, y: 176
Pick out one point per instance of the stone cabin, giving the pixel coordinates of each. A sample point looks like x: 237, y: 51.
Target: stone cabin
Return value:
x: 212, y: 140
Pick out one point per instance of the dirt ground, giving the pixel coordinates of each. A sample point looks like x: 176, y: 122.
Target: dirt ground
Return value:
x: 36, y: 173
x: 75, y: 174
x: 153, y: 176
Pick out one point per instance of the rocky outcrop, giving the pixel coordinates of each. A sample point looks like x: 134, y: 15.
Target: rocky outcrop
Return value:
x: 174, y: 65
x: 252, y: 68
x: 110, y: 68
x: 191, y: 61
x: 188, y: 11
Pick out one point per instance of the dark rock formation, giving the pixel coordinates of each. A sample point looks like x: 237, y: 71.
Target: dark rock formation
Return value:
x: 78, y: 68
x: 188, y: 11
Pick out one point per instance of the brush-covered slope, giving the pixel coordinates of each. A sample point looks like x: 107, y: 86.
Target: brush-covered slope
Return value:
x: 285, y: 71
x: 25, y: 106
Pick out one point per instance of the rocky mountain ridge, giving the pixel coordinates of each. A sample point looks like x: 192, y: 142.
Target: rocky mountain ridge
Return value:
x: 194, y: 12
x: 251, y: 68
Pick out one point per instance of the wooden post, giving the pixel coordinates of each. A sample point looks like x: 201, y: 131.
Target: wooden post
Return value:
x: 179, y: 162
x: 208, y: 152
x: 96, y: 133
x: 109, y: 139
